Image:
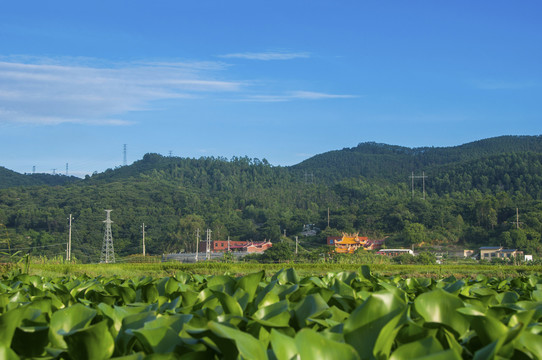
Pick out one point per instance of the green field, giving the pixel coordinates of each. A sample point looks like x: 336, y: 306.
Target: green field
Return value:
x: 215, y: 268
x: 215, y: 311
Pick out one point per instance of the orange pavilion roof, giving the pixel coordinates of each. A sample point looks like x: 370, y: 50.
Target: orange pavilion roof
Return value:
x: 348, y: 239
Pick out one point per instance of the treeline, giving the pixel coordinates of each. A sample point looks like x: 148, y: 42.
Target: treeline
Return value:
x: 468, y: 203
x: 9, y: 178
x: 380, y: 161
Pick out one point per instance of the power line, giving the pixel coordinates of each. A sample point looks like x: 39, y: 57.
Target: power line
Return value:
x: 35, y: 247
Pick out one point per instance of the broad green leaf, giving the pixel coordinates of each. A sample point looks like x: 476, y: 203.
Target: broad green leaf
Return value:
x: 346, y: 277
x: 157, y: 339
x: 455, y: 287
x: 118, y: 313
x: 530, y: 343
x: 310, y: 305
x: 6, y: 353
x: 275, y: 315
x: 342, y: 289
x: 125, y: 293
x: 248, y: 346
x: 366, y: 274
x: 125, y: 337
x: 361, y: 329
x: 8, y: 323
x: 268, y: 299
x: 312, y: 345
x: 222, y: 283
x: 68, y: 320
x: 488, y: 352
x: 183, y: 277
x: 439, y: 307
x: 452, y: 342
x: 229, y: 304
x: 417, y: 349
x: 36, y: 335
x: 92, y: 343
x: 441, y: 355
x: 250, y: 282
x: 288, y: 276
x: 284, y: 347
x: 386, y: 337
x: 149, y: 293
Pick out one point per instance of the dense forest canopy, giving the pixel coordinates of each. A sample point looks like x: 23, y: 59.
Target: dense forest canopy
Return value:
x: 471, y: 196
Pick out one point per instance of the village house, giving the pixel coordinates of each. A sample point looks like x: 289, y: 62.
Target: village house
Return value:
x: 232, y: 245
x: 498, y: 252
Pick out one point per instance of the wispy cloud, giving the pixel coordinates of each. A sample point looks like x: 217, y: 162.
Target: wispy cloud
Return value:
x: 266, y: 56
x: 54, y: 92
x: 297, y: 95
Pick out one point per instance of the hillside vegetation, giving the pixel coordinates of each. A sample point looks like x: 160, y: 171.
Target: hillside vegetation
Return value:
x: 471, y: 196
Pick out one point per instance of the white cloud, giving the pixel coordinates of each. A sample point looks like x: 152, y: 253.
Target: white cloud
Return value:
x: 317, y: 95
x: 85, y: 91
x: 266, y: 56
x: 46, y: 92
x: 297, y: 95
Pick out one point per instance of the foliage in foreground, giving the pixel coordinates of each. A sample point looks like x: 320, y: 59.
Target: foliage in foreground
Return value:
x: 345, y: 315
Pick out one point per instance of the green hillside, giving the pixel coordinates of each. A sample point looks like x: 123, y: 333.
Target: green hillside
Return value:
x: 471, y: 196
x: 9, y: 178
x: 373, y: 160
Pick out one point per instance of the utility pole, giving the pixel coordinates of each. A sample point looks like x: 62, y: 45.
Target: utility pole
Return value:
x: 423, y: 182
x: 69, y: 247
x: 296, y: 245
x: 143, y: 228
x: 208, y: 257
x: 108, y: 253
x: 412, y: 183
x: 197, y: 244
x: 412, y: 177
x: 517, y: 219
x: 228, y: 243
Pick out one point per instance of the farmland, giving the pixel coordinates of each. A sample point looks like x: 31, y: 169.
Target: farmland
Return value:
x: 253, y: 311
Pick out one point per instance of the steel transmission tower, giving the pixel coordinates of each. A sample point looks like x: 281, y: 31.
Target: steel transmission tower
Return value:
x: 108, y: 253
x: 124, y: 162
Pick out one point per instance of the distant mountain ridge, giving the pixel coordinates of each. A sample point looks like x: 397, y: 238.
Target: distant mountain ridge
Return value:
x: 375, y: 160
x: 10, y: 178
x: 370, y: 160
x: 472, y: 193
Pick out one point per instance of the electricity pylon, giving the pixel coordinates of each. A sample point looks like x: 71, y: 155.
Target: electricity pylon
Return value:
x: 108, y: 253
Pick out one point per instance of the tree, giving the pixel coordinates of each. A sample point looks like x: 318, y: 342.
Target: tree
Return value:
x: 278, y: 252
x: 426, y: 258
x: 414, y: 233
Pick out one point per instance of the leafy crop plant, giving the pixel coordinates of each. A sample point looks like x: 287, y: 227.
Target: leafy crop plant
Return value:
x: 342, y: 315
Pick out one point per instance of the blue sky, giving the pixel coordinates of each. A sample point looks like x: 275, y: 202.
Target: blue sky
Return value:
x: 281, y: 80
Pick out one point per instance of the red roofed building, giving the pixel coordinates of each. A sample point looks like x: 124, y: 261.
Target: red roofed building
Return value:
x: 231, y: 245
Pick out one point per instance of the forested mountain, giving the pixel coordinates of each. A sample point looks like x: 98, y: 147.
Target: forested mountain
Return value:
x: 373, y: 160
x: 472, y: 195
x: 9, y: 178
